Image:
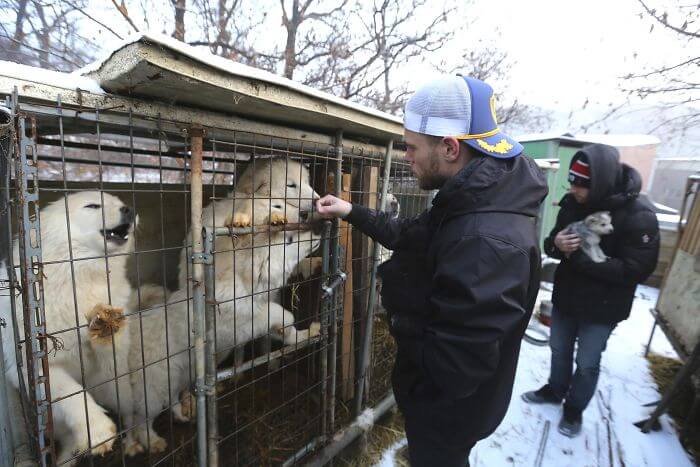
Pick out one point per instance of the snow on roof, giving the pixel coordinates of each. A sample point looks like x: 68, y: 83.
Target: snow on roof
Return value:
x: 234, y: 68
x: 54, y: 78
x: 617, y: 140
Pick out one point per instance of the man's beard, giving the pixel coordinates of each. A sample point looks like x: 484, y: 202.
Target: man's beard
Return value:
x: 432, y: 180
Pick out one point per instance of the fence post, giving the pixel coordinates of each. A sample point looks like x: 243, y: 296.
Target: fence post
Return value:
x: 210, y: 378
x: 29, y: 236
x: 6, y: 441
x: 196, y: 143
x: 332, y: 301
x: 369, y: 324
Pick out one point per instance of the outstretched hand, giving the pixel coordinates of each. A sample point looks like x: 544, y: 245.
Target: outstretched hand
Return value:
x: 329, y: 207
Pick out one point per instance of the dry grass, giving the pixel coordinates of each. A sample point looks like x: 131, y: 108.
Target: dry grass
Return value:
x: 663, y: 370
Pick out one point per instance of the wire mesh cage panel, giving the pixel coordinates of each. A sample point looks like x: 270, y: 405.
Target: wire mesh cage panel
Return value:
x: 173, y: 299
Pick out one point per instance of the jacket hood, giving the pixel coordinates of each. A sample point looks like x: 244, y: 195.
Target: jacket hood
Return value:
x: 515, y: 185
x: 612, y: 183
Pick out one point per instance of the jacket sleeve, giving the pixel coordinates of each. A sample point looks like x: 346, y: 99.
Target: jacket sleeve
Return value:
x: 379, y: 225
x: 549, y: 248
x: 480, y: 288
x: 638, y: 253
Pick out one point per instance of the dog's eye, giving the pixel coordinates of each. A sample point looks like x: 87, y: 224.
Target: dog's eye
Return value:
x: 277, y: 206
x: 291, y: 185
x: 93, y: 206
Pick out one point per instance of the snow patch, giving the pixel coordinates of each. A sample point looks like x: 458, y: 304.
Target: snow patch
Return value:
x: 32, y: 74
x: 609, y: 436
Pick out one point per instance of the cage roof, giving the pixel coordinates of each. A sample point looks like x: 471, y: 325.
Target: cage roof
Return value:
x: 158, y: 67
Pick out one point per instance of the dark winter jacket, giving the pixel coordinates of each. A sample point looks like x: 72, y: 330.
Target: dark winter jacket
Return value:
x: 603, y: 292
x: 460, y: 288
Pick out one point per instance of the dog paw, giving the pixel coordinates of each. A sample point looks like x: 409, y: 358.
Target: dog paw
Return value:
x: 104, y: 322
x: 277, y: 218
x: 132, y: 447
x: 239, y: 219
x: 314, y: 329
x: 186, y: 410
x: 158, y: 444
x: 103, y: 435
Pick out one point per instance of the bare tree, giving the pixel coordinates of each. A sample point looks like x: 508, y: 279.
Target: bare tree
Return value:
x: 677, y: 84
x: 44, y: 34
x: 180, y: 9
x: 387, y: 34
x: 311, y: 48
x: 226, y: 27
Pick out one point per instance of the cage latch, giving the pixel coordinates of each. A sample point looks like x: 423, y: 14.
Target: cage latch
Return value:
x: 333, y: 284
x: 202, y: 258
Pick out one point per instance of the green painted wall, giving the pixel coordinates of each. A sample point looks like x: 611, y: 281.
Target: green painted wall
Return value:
x: 557, y: 180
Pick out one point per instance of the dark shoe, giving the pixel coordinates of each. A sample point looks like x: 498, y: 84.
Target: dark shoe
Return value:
x: 571, y: 421
x: 543, y: 395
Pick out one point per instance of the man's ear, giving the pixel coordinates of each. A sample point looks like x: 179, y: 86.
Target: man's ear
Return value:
x: 451, y: 148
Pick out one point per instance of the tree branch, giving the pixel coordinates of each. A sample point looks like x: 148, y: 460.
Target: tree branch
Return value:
x: 125, y: 13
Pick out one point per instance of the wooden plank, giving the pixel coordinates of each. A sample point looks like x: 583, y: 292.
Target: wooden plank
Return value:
x: 370, y: 183
x: 347, y: 356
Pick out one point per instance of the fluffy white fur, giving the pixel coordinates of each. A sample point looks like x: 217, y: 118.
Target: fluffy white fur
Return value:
x: 249, y: 269
x: 92, y: 342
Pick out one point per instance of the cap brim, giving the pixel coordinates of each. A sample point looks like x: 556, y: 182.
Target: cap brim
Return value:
x: 499, y: 145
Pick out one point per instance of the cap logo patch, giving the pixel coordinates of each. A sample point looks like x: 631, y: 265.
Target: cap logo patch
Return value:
x: 502, y: 147
x: 645, y: 238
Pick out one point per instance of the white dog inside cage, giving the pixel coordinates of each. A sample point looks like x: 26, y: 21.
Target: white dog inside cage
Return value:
x: 249, y: 272
x: 79, y: 283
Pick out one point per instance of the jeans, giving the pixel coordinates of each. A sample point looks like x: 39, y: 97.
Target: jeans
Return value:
x: 578, y: 389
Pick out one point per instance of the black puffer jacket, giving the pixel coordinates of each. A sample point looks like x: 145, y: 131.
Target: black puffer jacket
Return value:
x: 603, y: 292
x: 460, y: 288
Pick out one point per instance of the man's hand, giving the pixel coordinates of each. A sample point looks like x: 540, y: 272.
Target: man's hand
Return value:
x: 567, y: 243
x: 329, y: 207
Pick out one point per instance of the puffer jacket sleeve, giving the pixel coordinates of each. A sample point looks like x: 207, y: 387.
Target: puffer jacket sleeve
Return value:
x: 638, y: 255
x: 549, y: 247
x: 380, y: 226
x: 478, y: 297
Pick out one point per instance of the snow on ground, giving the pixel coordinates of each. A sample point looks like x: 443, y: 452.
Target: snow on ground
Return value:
x: 609, y: 437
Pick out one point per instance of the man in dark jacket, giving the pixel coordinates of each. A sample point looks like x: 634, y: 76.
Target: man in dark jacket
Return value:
x: 463, y: 278
x: 589, y: 297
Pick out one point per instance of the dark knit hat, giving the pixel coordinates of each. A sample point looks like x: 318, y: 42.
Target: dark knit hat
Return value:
x: 579, y: 172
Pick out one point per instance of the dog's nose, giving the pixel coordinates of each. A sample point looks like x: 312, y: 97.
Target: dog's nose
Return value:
x: 127, y: 213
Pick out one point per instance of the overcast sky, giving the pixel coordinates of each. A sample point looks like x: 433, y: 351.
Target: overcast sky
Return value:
x: 564, y: 52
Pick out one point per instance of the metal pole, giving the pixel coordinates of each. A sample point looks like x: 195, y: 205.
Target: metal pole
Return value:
x: 332, y: 301
x: 196, y: 134
x: 369, y: 324
x: 6, y: 441
x: 210, y: 378
x: 325, y: 318
x: 29, y: 235
x: 361, y: 425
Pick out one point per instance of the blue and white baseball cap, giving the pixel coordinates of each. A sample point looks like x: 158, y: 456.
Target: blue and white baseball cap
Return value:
x: 461, y: 107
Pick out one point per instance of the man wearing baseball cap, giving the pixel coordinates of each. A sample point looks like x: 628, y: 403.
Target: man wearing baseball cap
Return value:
x: 464, y: 275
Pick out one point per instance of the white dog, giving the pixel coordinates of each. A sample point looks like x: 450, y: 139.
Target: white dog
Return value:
x: 267, y: 192
x: 248, y: 275
x: 590, y: 230
x: 79, y: 321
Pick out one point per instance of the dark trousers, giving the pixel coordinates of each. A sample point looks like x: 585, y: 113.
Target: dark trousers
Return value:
x: 577, y: 388
x: 431, y: 444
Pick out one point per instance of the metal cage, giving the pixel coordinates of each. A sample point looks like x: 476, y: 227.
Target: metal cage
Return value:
x: 250, y: 401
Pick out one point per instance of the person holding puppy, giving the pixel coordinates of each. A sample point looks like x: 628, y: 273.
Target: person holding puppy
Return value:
x: 463, y: 278
x: 590, y: 297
